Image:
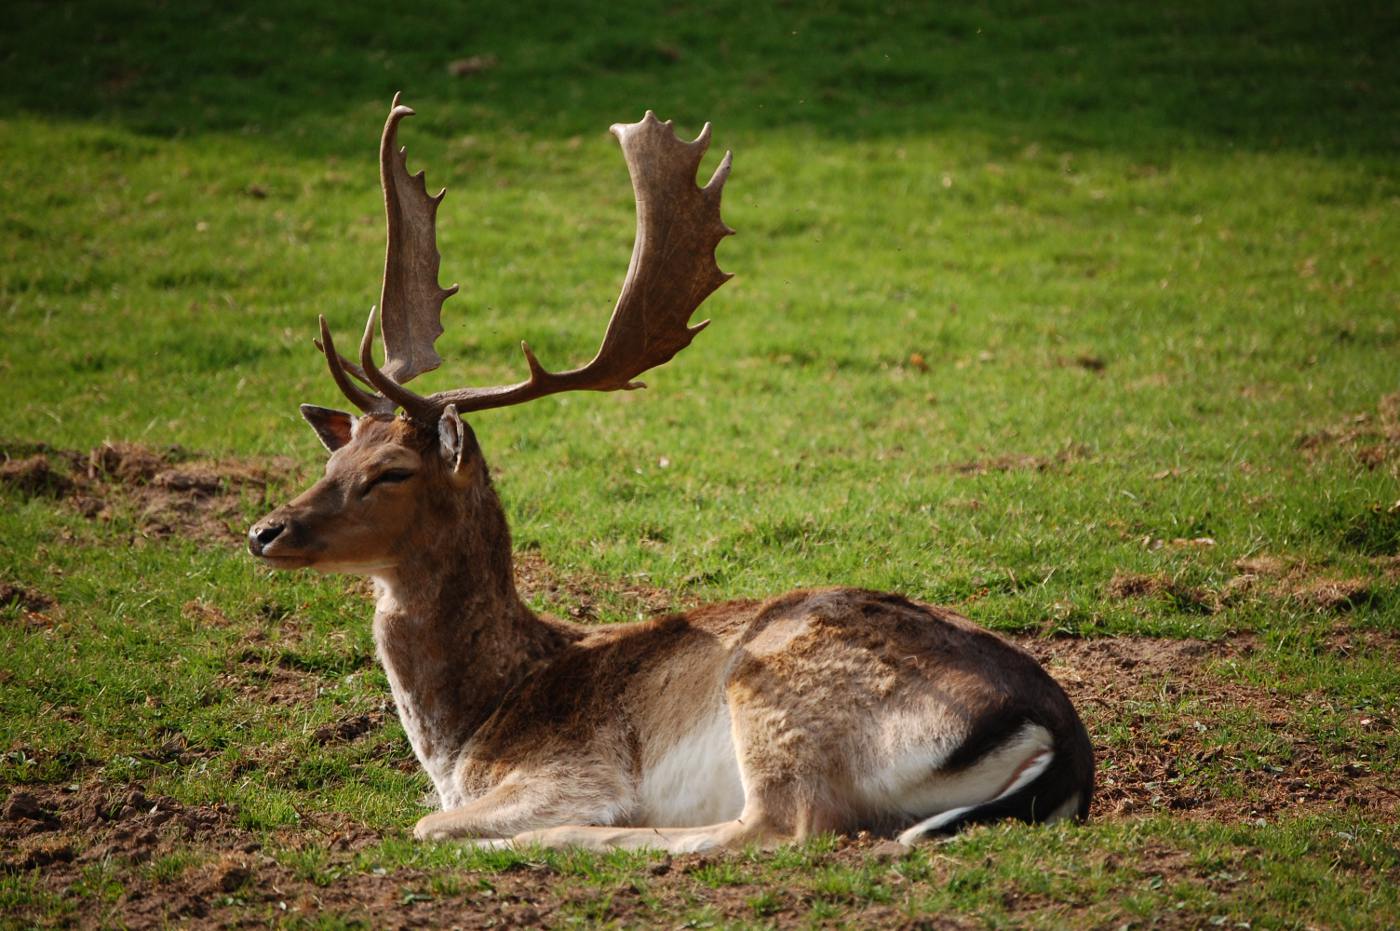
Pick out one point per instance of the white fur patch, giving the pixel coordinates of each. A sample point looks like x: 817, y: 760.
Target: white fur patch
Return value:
x: 912, y: 782
x: 694, y: 782
x: 1009, y: 768
x: 932, y: 825
x: 1033, y: 768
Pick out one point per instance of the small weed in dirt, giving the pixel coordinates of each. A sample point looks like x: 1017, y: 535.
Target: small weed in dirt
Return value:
x: 26, y: 599
x: 348, y: 729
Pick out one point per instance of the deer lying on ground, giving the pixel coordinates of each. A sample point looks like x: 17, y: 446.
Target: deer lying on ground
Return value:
x: 734, y: 723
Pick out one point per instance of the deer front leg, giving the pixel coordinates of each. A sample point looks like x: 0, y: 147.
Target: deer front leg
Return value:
x: 755, y: 825
x: 516, y: 806
x: 499, y: 813
x: 726, y: 834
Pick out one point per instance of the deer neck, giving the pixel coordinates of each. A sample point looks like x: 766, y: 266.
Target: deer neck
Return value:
x: 454, y: 636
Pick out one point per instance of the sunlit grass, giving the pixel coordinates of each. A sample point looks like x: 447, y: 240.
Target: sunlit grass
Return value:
x: 1023, y: 299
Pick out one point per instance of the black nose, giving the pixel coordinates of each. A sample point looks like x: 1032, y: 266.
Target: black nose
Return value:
x: 261, y: 535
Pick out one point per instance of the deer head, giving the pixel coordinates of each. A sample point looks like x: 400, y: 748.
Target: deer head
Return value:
x: 391, y: 474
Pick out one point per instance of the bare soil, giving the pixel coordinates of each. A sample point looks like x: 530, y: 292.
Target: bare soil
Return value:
x: 1263, y: 576
x: 536, y: 578
x: 1169, y: 759
x: 162, y: 493
x: 29, y: 601
x: 1372, y: 439
x: 1012, y: 463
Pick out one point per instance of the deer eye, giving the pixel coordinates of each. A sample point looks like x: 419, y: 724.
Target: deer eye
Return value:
x: 389, y: 477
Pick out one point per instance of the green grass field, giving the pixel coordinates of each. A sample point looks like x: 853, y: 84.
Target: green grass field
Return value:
x: 1083, y: 320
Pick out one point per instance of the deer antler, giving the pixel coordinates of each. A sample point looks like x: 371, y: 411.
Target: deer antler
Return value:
x: 410, y: 300
x: 672, y: 271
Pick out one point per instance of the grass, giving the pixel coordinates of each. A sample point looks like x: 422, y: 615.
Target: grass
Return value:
x: 1025, y: 299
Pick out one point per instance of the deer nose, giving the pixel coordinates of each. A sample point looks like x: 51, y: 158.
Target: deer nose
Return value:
x: 263, y: 534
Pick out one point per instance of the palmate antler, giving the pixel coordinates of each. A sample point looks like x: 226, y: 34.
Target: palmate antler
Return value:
x: 673, y: 270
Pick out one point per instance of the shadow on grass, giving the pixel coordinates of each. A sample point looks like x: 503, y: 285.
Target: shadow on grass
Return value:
x: 1316, y: 77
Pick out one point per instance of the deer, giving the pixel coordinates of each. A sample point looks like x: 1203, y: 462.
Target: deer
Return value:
x: 739, y: 723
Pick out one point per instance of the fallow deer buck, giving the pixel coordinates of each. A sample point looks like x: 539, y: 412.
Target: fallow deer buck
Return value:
x: 740, y: 722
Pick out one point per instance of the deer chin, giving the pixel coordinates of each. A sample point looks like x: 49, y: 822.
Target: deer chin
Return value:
x: 324, y: 566
x: 289, y: 561
x: 348, y: 567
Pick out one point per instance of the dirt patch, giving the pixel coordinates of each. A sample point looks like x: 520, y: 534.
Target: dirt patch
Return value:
x: 1011, y: 463
x: 1085, y: 360
x: 26, y: 599
x: 1388, y: 566
x: 35, y: 476
x: 1332, y: 594
x: 1263, y: 564
x: 1349, y: 641
x: 1156, y: 707
x: 1189, y: 598
x: 1298, y: 581
x: 1269, y: 576
x: 537, y: 579
x: 1372, y: 439
x: 348, y: 729
x: 63, y: 831
x: 255, y: 677
x: 45, y: 825
x: 31, y: 607
x: 208, y: 615
x: 129, y: 463
x: 162, y: 492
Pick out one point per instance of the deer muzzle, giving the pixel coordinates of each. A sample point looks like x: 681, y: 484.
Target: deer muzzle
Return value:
x: 261, y: 534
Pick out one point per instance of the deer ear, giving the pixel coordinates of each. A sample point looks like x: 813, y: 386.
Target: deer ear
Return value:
x: 456, y: 441
x: 333, y: 427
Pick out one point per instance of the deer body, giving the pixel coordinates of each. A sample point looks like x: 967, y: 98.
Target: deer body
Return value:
x: 834, y: 709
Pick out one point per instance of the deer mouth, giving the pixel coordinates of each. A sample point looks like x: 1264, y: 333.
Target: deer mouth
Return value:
x: 288, y: 561
x: 264, y: 540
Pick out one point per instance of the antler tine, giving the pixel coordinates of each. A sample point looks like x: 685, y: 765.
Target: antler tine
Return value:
x: 351, y: 368
x: 361, y: 399
x: 415, y: 405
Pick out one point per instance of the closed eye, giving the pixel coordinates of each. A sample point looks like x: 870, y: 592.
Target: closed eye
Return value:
x: 390, y: 477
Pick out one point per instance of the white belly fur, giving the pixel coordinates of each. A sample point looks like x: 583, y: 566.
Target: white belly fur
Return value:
x: 695, y: 781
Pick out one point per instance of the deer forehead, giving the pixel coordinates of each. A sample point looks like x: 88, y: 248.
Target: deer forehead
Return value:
x: 378, y: 445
